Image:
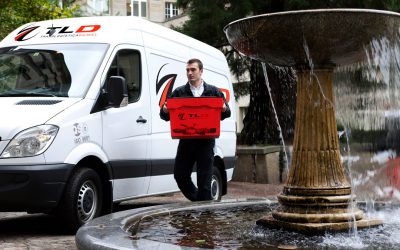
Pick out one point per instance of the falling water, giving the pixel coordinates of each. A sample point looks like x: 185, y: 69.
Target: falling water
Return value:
x: 382, y: 69
x: 367, y: 92
x: 368, y: 98
x: 276, y: 116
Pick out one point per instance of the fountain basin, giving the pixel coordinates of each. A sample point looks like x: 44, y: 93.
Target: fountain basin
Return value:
x: 120, y: 230
x: 227, y: 224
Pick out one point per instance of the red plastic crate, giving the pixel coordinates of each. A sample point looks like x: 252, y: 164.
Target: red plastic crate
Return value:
x: 195, y: 117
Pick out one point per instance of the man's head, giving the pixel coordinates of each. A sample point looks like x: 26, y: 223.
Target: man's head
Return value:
x: 194, y: 70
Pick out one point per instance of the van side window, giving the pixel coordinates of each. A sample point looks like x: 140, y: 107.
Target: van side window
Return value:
x: 127, y: 64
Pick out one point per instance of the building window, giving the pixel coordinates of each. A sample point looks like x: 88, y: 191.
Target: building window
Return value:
x: 137, y: 8
x: 171, y: 10
x: 98, y: 7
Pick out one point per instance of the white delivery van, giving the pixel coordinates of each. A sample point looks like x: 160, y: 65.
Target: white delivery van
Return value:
x: 80, y: 127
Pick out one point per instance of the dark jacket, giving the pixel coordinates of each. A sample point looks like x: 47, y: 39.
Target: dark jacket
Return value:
x: 209, y: 91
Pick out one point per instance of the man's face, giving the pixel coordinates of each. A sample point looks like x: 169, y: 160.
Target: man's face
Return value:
x: 193, y: 72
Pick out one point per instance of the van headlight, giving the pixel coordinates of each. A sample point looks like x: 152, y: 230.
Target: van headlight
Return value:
x: 30, y: 142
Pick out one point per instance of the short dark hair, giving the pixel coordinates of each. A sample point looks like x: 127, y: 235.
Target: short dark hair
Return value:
x: 195, y: 60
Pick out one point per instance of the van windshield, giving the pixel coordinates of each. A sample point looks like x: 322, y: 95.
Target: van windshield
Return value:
x: 62, y: 70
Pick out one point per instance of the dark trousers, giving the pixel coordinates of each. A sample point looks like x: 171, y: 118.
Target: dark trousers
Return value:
x: 191, y: 151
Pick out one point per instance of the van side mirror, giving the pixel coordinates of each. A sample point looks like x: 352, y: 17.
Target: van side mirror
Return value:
x: 116, y: 92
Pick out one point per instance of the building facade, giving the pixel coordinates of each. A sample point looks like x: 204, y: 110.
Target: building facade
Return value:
x: 164, y: 12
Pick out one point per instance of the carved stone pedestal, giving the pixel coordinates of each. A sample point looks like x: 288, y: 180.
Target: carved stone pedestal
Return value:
x: 317, y: 195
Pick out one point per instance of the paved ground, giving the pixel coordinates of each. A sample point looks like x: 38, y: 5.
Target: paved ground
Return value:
x: 21, y: 231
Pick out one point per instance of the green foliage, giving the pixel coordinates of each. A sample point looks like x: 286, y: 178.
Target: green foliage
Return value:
x: 209, y: 17
x: 16, y: 13
x: 241, y: 89
x: 206, y: 23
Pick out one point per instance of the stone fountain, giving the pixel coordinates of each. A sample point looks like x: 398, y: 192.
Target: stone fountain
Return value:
x: 317, y: 195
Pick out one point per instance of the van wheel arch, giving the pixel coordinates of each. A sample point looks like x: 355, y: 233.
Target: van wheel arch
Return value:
x: 105, y: 173
x: 97, y: 174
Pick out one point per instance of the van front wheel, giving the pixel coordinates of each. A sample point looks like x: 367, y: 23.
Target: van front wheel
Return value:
x: 82, y: 200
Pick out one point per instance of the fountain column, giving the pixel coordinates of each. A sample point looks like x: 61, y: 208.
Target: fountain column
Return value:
x: 317, y: 195
x: 317, y: 189
x: 316, y: 167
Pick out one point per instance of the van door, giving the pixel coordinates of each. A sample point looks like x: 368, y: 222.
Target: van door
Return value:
x: 126, y: 130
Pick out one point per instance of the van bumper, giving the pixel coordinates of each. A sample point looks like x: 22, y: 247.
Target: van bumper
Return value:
x: 32, y: 188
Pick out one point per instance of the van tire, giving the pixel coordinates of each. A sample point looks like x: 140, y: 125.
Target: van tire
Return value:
x: 216, y: 184
x: 82, y: 199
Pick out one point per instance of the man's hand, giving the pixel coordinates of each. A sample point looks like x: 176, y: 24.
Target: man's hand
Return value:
x: 223, y: 108
x: 165, y: 109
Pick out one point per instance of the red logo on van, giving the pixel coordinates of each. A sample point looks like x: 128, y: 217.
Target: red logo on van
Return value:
x: 84, y: 30
x: 67, y: 29
x: 169, y: 80
x: 23, y: 34
x: 227, y: 94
